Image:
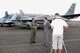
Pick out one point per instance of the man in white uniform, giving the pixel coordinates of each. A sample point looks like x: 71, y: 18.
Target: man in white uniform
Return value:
x: 58, y: 25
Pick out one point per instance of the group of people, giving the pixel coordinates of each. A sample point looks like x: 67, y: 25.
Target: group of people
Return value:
x: 58, y: 26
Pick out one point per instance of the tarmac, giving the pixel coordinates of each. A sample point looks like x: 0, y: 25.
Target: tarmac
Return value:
x: 17, y: 40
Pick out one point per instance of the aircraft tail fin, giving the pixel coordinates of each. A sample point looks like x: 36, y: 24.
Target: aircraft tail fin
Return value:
x: 21, y: 12
x: 71, y: 9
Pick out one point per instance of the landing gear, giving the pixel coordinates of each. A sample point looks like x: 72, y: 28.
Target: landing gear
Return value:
x: 9, y: 25
x: 28, y: 26
x: 1, y: 25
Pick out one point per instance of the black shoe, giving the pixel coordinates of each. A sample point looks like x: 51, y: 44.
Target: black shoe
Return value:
x: 33, y: 42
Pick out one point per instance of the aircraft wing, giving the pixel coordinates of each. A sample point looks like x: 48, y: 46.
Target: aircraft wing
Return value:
x: 70, y: 16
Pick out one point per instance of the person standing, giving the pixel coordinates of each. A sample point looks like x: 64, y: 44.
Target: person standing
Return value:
x: 58, y: 25
x: 46, y: 31
x: 33, y: 30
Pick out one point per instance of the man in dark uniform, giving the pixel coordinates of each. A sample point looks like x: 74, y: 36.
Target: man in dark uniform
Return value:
x: 33, y: 31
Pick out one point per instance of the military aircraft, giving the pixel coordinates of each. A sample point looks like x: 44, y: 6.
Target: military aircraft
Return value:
x: 25, y: 19
x: 7, y: 19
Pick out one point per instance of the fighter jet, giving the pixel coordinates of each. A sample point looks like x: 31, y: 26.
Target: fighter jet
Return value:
x: 25, y: 19
x: 7, y: 19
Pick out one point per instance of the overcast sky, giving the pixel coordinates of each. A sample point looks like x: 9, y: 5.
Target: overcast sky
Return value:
x: 37, y: 6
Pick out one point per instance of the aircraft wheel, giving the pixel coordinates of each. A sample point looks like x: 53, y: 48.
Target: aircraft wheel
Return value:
x: 1, y: 25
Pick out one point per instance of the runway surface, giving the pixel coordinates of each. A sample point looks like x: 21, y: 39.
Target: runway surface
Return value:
x: 17, y: 40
